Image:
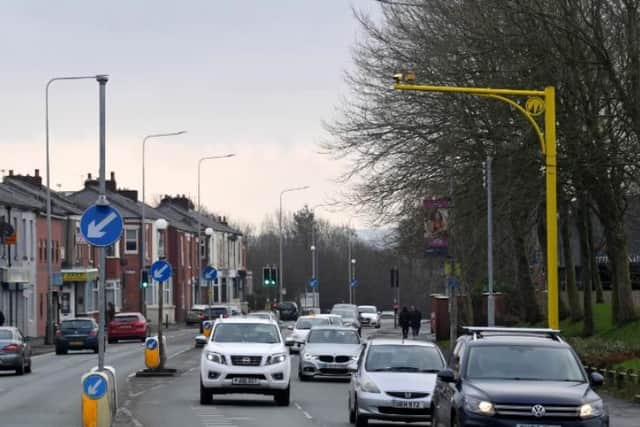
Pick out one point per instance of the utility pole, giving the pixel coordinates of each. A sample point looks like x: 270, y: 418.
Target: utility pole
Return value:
x: 491, y: 315
x: 102, y: 81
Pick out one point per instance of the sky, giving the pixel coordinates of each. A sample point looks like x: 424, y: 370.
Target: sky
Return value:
x: 255, y: 78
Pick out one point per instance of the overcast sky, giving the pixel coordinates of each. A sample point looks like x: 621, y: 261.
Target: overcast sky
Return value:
x: 255, y: 78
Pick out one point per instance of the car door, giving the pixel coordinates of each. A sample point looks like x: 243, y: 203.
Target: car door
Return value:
x: 353, y: 388
x: 445, y: 392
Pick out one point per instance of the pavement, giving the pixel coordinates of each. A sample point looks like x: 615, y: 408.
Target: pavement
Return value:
x: 50, y: 396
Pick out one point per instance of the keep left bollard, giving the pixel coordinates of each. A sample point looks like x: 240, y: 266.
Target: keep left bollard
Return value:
x: 96, y: 396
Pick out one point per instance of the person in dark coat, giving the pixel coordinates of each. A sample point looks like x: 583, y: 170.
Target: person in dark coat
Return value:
x: 1, y: 318
x: 415, y: 321
x: 405, y: 321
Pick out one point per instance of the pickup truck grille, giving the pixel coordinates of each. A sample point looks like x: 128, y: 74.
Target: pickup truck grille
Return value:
x: 246, y: 360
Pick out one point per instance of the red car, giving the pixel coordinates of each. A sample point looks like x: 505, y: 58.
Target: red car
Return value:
x: 128, y: 326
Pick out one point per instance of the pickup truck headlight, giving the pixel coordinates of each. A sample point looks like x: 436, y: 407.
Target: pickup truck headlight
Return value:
x: 592, y: 409
x: 216, y: 358
x: 479, y: 406
x: 274, y: 359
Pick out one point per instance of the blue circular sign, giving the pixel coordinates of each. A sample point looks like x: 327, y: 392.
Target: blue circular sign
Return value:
x: 161, y: 271
x: 152, y: 343
x: 94, y: 386
x: 101, y: 225
x: 210, y: 273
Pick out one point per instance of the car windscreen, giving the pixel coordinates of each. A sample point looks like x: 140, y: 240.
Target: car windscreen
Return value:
x: 126, y: 319
x: 259, y: 315
x: 216, y: 312
x: 76, y: 324
x: 345, y: 314
x: 403, y: 358
x: 6, y: 335
x: 523, y: 362
x: 246, y: 333
x: 336, y: 320
x: 367, y: 310
x: 309, y: 323
x: 287, y: 306
x: 329, y: 336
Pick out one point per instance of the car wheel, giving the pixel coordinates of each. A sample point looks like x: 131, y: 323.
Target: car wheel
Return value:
x: 282, y: 397
x: 28, y: 367
x: 352, y: 413
x: 206, y: 397
x: 20, y: 370
x: 111, y: 341
x: 302, y: 378
x: 60, y: 351
x: 454, y: 421
x: 96, y: 349
x: 361, y: 421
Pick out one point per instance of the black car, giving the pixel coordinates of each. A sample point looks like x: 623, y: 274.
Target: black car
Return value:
x: 15, y: 350
x: 288, y: 311
x: 508, y: 377
x: 77, y: 334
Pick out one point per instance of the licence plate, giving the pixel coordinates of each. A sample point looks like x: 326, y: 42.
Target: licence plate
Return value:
x: 538, y: 425
x: 76, y: 343
x: 125, y: 327
x: 407, y: 404
x: 245, y: 381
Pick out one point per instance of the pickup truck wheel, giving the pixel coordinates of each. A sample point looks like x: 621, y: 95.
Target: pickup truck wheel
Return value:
x: 206, y: 397
x: 282, y: 397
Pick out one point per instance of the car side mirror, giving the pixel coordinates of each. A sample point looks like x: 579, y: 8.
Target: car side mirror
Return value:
x: 290, y: 327
x: 352, y: 367
x: 201, y: 340
x: 597, y: 379
x: 447, y: 376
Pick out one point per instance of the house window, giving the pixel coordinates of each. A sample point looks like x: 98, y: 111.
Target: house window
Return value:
x: 181, y: 251
x: 113, y: 251
x: 161, y: 244
x: 113, y: 294
x: 131, y: 241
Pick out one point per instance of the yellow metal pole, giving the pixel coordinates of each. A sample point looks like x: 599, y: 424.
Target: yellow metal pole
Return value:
x: 552, y: 207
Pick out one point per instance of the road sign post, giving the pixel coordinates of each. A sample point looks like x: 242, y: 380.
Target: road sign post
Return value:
x: 210, y: 274
x: 161, y: 271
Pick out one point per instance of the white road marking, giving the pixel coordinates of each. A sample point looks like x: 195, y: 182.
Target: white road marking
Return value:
x: 132, y: 374
x: 128, y: 413
x: 301, y: 409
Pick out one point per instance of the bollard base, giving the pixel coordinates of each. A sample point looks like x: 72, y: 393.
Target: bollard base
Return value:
x: 159, y: 372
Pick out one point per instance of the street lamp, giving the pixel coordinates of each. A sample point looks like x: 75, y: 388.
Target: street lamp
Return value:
x: 353, y: 276
x: 313, y: 271
x: 202, y: 159
x: 281, y: 272
x: 161, y: 225
x: 143, y: 240
x: 209, y: 232
x: 98, y: 77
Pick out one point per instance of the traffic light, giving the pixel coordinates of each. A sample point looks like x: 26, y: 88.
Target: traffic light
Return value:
x: 395, y: 277
x: 266, y: 277
x: 144, y: 281
x: 274, y: 276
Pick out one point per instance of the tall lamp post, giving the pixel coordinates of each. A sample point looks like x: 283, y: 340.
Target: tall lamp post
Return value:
x: 209, y: 232
x: 161, y: 225
x: 202, y: 159
x: 281, y: 272
x: 98, y: 77
x: 352, y: 300
x: 143, y: 228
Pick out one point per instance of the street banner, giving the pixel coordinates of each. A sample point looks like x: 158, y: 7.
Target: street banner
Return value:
x: 436, y: 227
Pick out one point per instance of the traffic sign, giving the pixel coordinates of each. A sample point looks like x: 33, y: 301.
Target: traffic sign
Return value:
x: 94, y: 386
x: 453, y: 282
x: 161, y: 271
x: 313, y: 283
x: 210, y: 273
x: 101, y: 225
x: 354, y: 284
x: 152, y: 344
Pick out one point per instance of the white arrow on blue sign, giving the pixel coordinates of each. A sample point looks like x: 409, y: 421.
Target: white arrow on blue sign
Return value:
x: 152, y: 343
x: 354, y: 283
x: 210, y: 273
x: 101, y: 225
x: 161, y: 271
x: 94, y: 386
x: 313, y: 283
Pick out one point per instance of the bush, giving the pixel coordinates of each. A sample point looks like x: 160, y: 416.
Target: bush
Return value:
x: 602, y: 353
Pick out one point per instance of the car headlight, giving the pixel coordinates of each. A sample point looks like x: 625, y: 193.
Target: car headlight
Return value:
x: 479, y: 406
x: 368, y: 386
x: 592, y: 409
x: 216, y: 358
x: 308, y: 356
x: 346, y: 323
x: 274, y: 359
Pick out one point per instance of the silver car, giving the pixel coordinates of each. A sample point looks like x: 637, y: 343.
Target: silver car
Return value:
x: 328, y: 352
x: 15, y: 350
x: 394, y: 381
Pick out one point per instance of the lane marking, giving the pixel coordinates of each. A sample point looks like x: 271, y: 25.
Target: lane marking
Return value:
x: 301, y: 409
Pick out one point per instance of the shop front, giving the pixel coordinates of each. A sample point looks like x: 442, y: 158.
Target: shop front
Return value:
x: 78, y: 294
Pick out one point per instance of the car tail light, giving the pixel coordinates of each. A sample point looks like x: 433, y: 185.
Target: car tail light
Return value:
x: 12, y: 348
x: 58, y: 333
x: 93, y: 333
x: 226, y: 315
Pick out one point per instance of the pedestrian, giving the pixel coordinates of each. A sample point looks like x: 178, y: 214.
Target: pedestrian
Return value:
x: 1, y: 318
x: 111, y: 311
x: 416, y: 319
x: 405, y: 322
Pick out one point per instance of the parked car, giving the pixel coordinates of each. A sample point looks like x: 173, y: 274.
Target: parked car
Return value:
x: 15, y: 350
x: 387, y: 314
x: 301, y: 329
x: 128, y: 326
x: 394, y: 381
x: 369, y: 315
x: 288, y: 310
x: 80, y: 333
x: 349, y: 314
x: 516, y: 376
x: 245, y: 355
x: 334, y: 319
x: 196, y: 314
x: 215, y: 312
x: 328, y: 352
x: 267, y: 315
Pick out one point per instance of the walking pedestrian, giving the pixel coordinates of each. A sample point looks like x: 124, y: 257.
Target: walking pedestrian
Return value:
x: 416, y: 320
x: 405, y: 321
x: 1, y: 318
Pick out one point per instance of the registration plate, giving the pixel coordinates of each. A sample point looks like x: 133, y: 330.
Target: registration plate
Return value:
x: 538, y: 425
x: 407, y: 404
x: 245, y: 381
x: 76, y: 343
